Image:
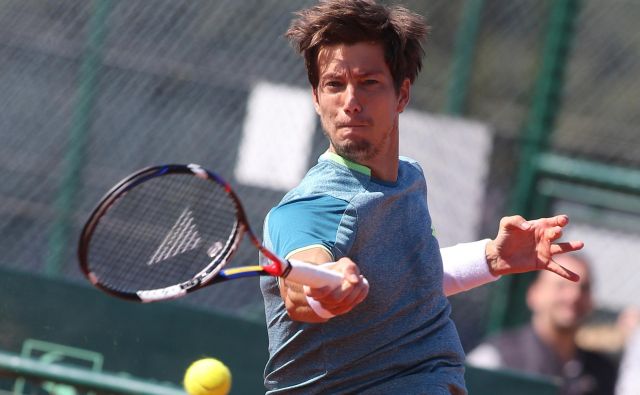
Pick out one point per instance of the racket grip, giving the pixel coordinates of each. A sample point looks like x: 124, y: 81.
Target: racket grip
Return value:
x: 315, y: 276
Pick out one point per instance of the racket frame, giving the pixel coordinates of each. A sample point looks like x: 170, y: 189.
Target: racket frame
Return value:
x: 213, y: 272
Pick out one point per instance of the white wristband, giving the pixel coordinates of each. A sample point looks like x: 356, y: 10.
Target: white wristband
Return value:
x: 465, y: 267
x: 318, y: 309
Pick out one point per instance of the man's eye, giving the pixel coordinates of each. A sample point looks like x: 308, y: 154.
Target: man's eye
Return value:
x: 370, y: 82
x: 333, y: 84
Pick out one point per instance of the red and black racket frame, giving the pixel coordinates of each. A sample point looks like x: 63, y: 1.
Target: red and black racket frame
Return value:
x: 276, y: 267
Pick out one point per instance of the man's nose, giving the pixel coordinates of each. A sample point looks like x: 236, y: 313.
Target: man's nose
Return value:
x: 352, y: 104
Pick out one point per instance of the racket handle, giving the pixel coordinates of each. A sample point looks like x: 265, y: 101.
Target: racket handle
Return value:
x: 314, y: 276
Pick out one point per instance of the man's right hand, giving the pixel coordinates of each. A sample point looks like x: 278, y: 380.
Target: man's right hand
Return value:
x: 354, y: 288
x: 341, y: 300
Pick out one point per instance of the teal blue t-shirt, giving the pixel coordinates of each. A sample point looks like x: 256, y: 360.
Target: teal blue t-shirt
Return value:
x: 400, y: 339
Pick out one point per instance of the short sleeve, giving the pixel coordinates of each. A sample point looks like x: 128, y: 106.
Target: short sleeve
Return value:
x: 305, y: 223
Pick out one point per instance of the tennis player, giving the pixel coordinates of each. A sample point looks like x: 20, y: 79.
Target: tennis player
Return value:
x: 365, y: 208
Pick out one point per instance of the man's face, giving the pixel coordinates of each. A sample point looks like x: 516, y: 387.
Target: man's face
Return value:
x: 561, y: 303
x: 357, y: 102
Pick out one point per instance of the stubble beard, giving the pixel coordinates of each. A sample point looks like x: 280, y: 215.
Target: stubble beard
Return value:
x: 358, y: 151
x: 355, y: 151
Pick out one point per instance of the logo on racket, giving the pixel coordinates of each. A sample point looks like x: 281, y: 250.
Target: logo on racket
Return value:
x: 182, y: 237
x: 215, y: 249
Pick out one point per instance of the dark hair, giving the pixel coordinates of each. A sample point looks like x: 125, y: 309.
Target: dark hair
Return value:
x: 399, y: 30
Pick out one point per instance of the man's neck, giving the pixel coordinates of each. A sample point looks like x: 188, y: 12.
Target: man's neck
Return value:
x: 384, y: 166
x: 386, y: 170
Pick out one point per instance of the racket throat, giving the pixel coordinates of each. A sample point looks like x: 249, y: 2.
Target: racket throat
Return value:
x: 278, y: 267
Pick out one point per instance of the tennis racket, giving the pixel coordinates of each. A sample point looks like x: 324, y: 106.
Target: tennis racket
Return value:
x: 166, y: 231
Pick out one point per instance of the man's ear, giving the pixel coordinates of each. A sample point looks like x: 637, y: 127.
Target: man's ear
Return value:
x: 316, y: 104
x: 404, y: 94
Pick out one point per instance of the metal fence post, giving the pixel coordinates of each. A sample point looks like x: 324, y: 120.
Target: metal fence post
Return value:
x: 80, y: 125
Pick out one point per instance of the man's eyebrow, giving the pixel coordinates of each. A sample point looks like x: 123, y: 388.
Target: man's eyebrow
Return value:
x: 331, y: 75
x: 360, y: 74
x: 367, y: 73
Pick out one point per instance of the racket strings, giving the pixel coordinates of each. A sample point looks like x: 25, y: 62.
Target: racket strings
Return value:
x: 163, y: 232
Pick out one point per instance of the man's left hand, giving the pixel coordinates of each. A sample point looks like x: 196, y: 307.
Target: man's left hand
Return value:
x: 523, y: 246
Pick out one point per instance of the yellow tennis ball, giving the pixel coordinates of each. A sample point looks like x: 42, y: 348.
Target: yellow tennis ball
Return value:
x: 207, y: 376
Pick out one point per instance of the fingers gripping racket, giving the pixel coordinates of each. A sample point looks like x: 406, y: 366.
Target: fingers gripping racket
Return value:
x: 165, y: 231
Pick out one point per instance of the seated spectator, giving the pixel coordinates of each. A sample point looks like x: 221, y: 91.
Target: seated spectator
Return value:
x: 546, y: 345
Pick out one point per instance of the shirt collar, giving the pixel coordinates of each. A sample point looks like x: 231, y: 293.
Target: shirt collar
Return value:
x: 347, y: 163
